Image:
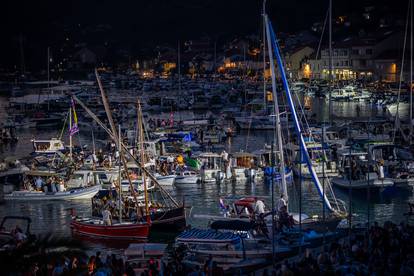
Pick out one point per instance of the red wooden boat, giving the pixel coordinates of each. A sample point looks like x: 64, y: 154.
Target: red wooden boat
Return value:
x: 96, y: 228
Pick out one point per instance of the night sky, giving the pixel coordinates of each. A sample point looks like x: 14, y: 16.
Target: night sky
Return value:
x: 146, y: 23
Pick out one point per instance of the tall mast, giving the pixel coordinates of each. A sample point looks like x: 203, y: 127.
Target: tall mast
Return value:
x: 142, y: 157
x: 48, y: 77
x: 48, y: 68
x: 22, y: 63
x: 264, y: 57
x: 119, y: 175
x: 411, y: 71
x: 303, y: 148
x: 179, y: 70
x: 114, y: 132
x: 330, y: 76
x: 70, y: 135
x: 277, y: 117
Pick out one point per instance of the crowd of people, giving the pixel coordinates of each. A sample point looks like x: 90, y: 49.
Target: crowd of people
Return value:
x: 379, y: 250
x: 386, y: 250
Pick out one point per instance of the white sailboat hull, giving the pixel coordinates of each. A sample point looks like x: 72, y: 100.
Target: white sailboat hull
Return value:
x: 81, y: 193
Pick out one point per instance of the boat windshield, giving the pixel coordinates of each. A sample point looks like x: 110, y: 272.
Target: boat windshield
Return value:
x: 77, y: 176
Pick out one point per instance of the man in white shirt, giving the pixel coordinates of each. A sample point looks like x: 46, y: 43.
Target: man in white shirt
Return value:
x: 107, y: 217
x: 281, y: 203
x: 259, y: 207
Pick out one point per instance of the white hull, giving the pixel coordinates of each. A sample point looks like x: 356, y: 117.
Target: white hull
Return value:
x: 167, y: 180
x: 81, y: 193
x: 243, y: 174
x: 403, y: 109
x: 210, y: 175
x: 183, y: 180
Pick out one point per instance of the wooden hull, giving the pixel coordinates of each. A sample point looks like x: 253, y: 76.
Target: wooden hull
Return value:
x: 130, y: 231
x: 170, y: 220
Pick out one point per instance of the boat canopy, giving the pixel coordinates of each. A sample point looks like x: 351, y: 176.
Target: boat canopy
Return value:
x: 234, y: 225
x: 207, y: 236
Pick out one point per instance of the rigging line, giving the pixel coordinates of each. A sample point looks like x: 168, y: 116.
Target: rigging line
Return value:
x: 248, y: 129
x: 111, y: 135
x: 397, y: 115
x: 320, y: 41
x: 293, y: 110
x: 64, y: 125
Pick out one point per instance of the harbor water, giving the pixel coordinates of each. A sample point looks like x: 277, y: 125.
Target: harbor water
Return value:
x: 54, y: 217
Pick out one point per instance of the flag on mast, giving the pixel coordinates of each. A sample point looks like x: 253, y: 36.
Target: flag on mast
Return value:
x: 74, y: 129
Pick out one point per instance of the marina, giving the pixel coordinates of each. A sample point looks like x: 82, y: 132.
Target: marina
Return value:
x: 285, y: 155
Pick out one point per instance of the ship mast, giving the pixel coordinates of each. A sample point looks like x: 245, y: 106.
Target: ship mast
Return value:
x: 119, y: 175
x: 142, y: 157
x: 277, y: 117
x: 330, y: 66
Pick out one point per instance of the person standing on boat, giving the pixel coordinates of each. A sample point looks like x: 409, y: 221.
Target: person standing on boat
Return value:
x: 259, y: 207
x: 381, y: 174
x: 107, y: 217
x: 281, y: 204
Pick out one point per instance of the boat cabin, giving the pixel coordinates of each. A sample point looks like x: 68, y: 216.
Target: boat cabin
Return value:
x: 211, y: 161
x: 48, y: 146
x: 83, y: 178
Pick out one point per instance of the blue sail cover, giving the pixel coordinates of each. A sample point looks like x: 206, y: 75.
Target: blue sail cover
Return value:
x: 295, y: 117
x: 207, y: 236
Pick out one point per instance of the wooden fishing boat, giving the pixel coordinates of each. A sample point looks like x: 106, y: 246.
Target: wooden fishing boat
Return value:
x: 96, y: 228
x: 168, y: 219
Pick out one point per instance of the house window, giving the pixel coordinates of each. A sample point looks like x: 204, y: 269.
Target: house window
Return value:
x: 368, y: 51
x: 346, y: 63
x: 355, y: 52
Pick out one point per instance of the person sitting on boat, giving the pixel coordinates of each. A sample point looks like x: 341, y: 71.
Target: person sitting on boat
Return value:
x: 18, y: 235
x: 107, y: 217
x: 62, y: 187
x: 285, y: 220
x: 39, y: 183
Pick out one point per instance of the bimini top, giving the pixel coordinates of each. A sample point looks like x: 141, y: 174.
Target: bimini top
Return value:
x: 207, y: 236
x: 235, y: 225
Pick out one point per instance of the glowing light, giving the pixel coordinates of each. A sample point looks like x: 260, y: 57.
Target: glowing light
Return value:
x: 393, y: 68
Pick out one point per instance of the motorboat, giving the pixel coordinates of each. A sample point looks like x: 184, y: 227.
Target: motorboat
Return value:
x: 356, y: 173
x: 243, y: 166
x: 69, y: 194
x: 186, y: 177
x: 212, y: 167
x: 165, y: 180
